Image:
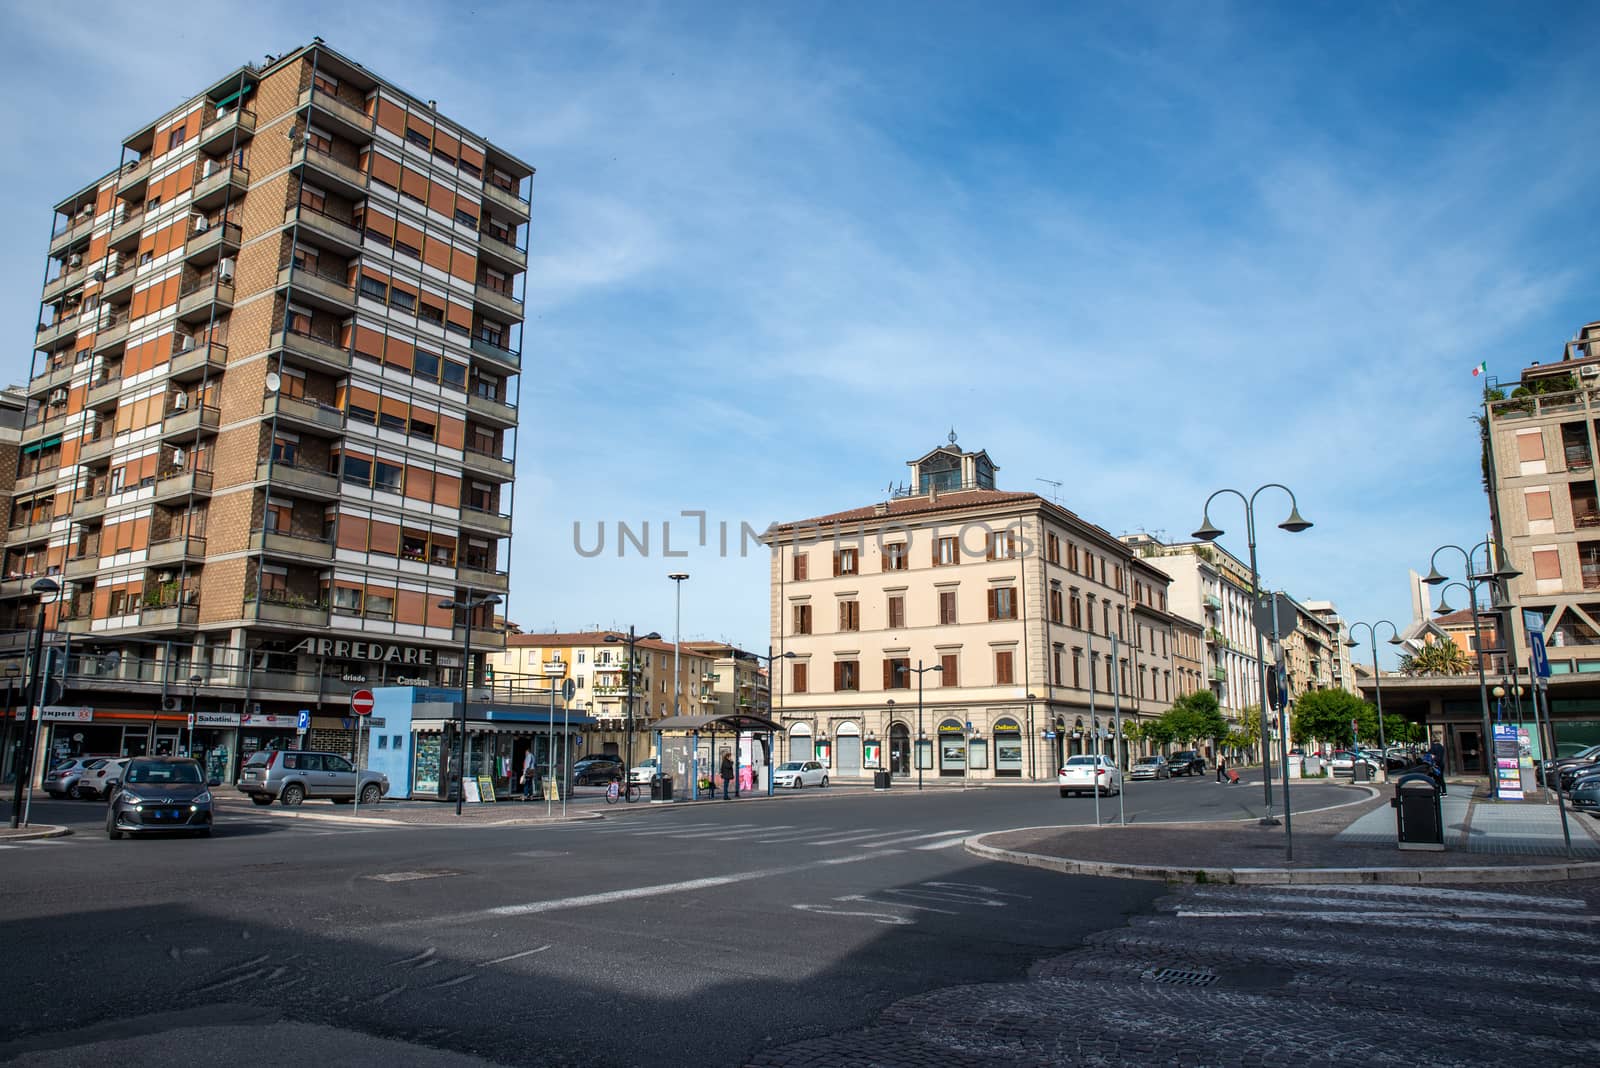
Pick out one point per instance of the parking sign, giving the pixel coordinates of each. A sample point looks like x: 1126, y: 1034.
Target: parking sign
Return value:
x: 1541, y: 661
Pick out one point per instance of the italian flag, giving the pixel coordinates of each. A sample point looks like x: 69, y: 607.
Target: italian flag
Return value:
x: 1481, y: 369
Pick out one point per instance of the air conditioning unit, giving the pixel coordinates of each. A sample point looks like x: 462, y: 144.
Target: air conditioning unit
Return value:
x: 255, y: 708
x: 1589, y: 371
x: 201, y: 224
x: 208, y: 168
x: 163, y: 576
x: 171, y: 704
x: 75, y: 260
x: 58, y: 396
x: 225, y: 271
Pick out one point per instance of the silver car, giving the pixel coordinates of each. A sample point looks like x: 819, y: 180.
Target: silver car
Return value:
x: 292, y: 775
x: 63, y: 779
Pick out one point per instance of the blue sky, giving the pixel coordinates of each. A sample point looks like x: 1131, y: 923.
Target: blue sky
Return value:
x: 779, y: 250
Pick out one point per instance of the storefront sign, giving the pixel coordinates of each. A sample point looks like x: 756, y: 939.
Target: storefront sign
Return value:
x: 339, y: 649
x: 59, y: 714
x: 216, y: 719
x: 412, y: 680
x: 555, y: 667
x: 350, y: 676
x: 268, y: 719
x: 1508, y: 766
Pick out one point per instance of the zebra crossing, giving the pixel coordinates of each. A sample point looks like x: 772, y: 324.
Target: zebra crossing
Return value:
x: 785, y: 834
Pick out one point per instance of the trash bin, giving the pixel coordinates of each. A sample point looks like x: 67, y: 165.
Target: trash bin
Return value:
x: 880, y: 780
x: 1361, y: 771
x: 661, y: 788
x: 1418, y: 813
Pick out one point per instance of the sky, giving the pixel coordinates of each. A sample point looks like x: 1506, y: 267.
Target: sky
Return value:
x: 1145, y: 251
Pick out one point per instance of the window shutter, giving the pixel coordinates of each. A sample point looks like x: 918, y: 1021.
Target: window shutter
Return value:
x: 838, y: 676
x: 888, y: 674
x: 884, y: 560
x: 836, y: 563
x: 994, y: 609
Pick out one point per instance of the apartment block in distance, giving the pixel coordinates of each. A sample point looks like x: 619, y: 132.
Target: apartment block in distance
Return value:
x: 271, y: 418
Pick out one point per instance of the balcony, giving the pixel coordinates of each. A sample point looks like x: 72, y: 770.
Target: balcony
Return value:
x: 495, y: 354
x: 203, y: 299
x: 492, y: 522
x: 304, y: 413
x: 290, y: 545
x: 96, y: 448
x: 118, y: 284
x: 113, y: 334
x: 26, y: 484
x: 1212, y: 602
x: 505, y: 200
x: 344, y: 119
x: 486, y: 463
x: 343, y: 177
x: 481, y: 638
x: 131, y: 183
x: 499, y: 303
x: 175, y: 484
x: 197, y: 362
x: 338, y: 231
x: 125, y: 234
x: 187, y: 422
x: 217, y: 184
x: 73, y: 625
x: 219, y: 134
x: 500, y: 252
x: 1217, y: 674
x: 293, y: 479
x: 50, y: 378
x: 85, y: 566
x: 177, y: 551
x: 288, y: 611
x: 212, y: 243
x: 492, y: 410
x: 76, y: 231
x: 170, y: 615
x: 326, y: 291
x: 105, y: 390
x: 323, y: 353
x: 63, y: 282
x: 86, y: 508
x: 474, y: 579
x: 65, y: 327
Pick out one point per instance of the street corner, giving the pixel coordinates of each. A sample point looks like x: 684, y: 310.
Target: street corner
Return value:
x: 32, y: 833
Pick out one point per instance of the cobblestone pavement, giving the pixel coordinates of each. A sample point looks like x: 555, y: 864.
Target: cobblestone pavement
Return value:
x: 1316, y: 975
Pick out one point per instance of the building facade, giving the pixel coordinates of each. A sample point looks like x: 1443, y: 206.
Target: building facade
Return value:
x: 961, y: 628
x: 738, y: 679
x: 1340, y: 656
x: 271, y: 421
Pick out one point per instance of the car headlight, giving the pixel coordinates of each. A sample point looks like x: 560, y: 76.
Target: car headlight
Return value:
x: 203, y: 798
x: 131, y: 798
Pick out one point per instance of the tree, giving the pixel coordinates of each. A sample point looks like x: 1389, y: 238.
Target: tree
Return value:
x: 1250, y: 728
x: 1325, y: 715
x: 1436, y: 658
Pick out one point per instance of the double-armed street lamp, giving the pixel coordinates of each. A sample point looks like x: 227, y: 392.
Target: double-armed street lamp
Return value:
x: 919, y: 669
x: 1504, y: 572
x: 1209, y: 533
x: 47, y: 590
x: 1377, y: 678
x: 771, y: 682
x: 467, y: 605
x: 629, y: 668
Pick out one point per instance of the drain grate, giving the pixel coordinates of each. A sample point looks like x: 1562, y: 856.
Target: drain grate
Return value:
x: 1181, y: 977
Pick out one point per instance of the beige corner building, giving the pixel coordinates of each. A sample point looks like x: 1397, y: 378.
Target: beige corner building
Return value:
x: 976, y: 621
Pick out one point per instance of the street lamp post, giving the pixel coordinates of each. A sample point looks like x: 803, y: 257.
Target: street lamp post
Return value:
x: 628, y: 667
x: 768, y: 659
x: 1033, y: 763
x: 12, y: 671
x: 47, y: 589
x: 919, y: 669
x: 1377, y: 676
x: 1208, y: 533
x: 467, y: 605
x: 888, y: 735
x: 1503, y: 572
x: 194, y: 713
x: 678, y: 578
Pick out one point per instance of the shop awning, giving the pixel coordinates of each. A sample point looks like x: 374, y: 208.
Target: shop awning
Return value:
x: 732, y: 721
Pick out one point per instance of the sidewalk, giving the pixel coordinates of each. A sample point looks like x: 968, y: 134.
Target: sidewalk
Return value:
x: 1484, y: 842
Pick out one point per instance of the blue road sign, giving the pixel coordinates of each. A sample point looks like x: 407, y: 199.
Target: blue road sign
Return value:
x: 304, y: 722
x: 1541, y: 662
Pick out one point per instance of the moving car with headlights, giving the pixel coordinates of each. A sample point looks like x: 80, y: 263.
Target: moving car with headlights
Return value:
x: 1083, y: 774
x: 292, y: 775
x: 63, y: 780
x: 800, y: 773
x: 1153, y: 766
x: 159, y: 794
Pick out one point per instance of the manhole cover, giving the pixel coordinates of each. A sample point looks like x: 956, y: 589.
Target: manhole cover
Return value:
x: 410, y: 876
x: 1181, y: 977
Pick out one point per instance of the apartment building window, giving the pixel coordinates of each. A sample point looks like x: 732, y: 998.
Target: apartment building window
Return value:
x: 1052, y: 548
x: 285, y: 449
x: 319, y: 140
x: 1072, y: 558
x: 1077, y: 669
x: 175, y: 138
x: 1002, y: 545
x: 279, y: 518
x: 846, y: 562
x: 802, y: 619
x: 1088, y: 564
x: 849, y: 615
x: 897, y: 673
x: 379, y: 606
x: 947, y: 607
x: 946, y: 552
x: 347, y: 600
x: 846, y: 675
x: 897, y: 611
x: 371, y: 287
x: 1057, y: 612
x: 895, y: 557
x: 949, y: 672
x: 1105, y: 614
x: 1089, y: 597
x: 797, y: 677
x: 418, y: 138
x: 399, y: 298
x: 800, y: 567
x: 313, y: 198
x: 1117, y: 571
x: 1002, y: 602
x: 1003, y: 660
x: 357, y: 470
x: 1055, y: 665
x: 1122, y: 620
x: 1546, y: 563
x: 1077, y: 611
x: 325, y: 83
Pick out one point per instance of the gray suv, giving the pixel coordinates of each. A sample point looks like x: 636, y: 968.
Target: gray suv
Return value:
x: 292, y: 775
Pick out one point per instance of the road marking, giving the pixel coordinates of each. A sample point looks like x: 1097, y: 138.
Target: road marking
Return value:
x: 419, y: 958
x: 457, y: 981
x: 235, y: 981
x: 513, y: 956
x: 859, y: 833
x: 887, y: 918
x: 1406, y: 903
x: 411, y: 876
x: 634, y: 893
x: 1343, y: 915
x: 743, y: 828
x: 944, y: 844
x: 746, y: 834
x: 865, y: 900
x: 1440, y: 893
x: 920, y: 837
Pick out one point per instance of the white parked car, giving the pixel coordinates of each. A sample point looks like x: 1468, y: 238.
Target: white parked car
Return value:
x: 799, y: 773
x: 1343, y: 762
x: 96, y: 782
x: 644, y: 773
x: 1082, y: 774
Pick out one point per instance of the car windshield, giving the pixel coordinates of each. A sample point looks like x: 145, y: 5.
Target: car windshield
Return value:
x: 791, y: 766
x: 1083, y: 760
x: 1149, y: 760
x: 153, y: 773
x: 258, y: 759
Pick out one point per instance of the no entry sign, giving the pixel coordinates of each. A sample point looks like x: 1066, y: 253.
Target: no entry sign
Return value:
x: 361, y: 702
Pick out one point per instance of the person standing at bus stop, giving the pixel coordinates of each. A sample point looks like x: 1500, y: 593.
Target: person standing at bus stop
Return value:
x: 727, y: 773
x: 530, y: 772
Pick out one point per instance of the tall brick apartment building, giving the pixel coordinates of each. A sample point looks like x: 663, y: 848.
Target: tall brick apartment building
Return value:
x: 271, y: 420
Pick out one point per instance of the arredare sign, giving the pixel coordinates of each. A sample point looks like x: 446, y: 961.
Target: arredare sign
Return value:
x: 339, y: 649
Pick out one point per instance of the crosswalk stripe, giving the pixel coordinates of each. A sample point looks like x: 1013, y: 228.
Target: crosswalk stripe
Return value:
x: 851, y: 837
x: 1344, y: 915
x: 740, y: 835
x: 745, y: 827
x: 1433, y: 892
x: 944, y: 844
x: 1404, y: 903
x: 956, y: 835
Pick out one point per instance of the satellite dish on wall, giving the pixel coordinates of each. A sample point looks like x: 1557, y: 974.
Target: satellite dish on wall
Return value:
x: 274, y: 383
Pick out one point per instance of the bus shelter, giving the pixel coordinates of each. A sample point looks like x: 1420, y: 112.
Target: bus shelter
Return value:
x: 691, y: 749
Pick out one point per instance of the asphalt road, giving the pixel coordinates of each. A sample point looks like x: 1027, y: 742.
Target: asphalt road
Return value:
x: 686, y: 934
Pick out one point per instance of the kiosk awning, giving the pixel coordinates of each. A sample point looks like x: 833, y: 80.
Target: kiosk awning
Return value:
x: 733, y: 721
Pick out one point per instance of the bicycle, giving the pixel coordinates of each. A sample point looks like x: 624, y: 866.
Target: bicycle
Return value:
x: 615, y: 790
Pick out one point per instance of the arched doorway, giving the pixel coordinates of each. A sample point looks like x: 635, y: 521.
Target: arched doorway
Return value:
x: 800, y: 747
x: 899, y: 749
x: 1007, y: 749
x: 952, y: 749
x: 847, y: 750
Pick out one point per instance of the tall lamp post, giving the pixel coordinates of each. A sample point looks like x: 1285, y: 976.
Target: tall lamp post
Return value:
x: 1504, y: 572
x: 768, y: 659
x: 1377, y: 676
x: 194, y: 713
x: 888, y: 734
x: 47, y: 590
x: 627, y: 756
x: 467, y: 605
x: 1208, y: 533
x: 919, y: 669
x: 12, y: 671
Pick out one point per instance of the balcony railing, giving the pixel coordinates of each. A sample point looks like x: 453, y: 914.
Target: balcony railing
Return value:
x: 505, y: 199
x: 1217, y: 674
x: 119, y: 283
x: 180, y: 422
x: 113, y: 332
x: 170, y: 615
x: 280, y: 544
x: 134, y: 175
x: 198, y: 297
x: 173, y: 484
x: 501, y: 246
x: 49, y: 333
x: 339, y: 229
x: 50, y: 378
x: 1578, y: 458
x: 174, y: 550
x: 324, y: 351
x: 64, y: 281
x: 295, y: 478
x: 477, y: 579
x: 305, y: 412
x: 213, y: 241
x: 496, y: 353
x: 75, y: 230
x: 332, y: 167
x: 97, y: 448
x: 487, y: 463
x: 352, y: 118
x: 492, y: 409
x: 196, y: 361
x: 127, y: 229
x: 329, y: 287
x: 289, y: 609
x: 224, y: 126
x: 500, y: 301
x: 485, y: 520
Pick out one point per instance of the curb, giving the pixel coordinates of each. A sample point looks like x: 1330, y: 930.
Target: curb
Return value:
x: 380, y: 821
x: 36, y: 832
x: 1282, y: 876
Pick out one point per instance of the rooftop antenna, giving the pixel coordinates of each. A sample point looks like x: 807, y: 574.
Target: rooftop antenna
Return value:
x: 1055, y: 494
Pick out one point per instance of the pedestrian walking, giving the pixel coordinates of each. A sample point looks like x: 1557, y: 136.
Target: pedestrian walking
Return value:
x: 727, y: 774
x: 530, y: 772
x: 1222, y: 767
